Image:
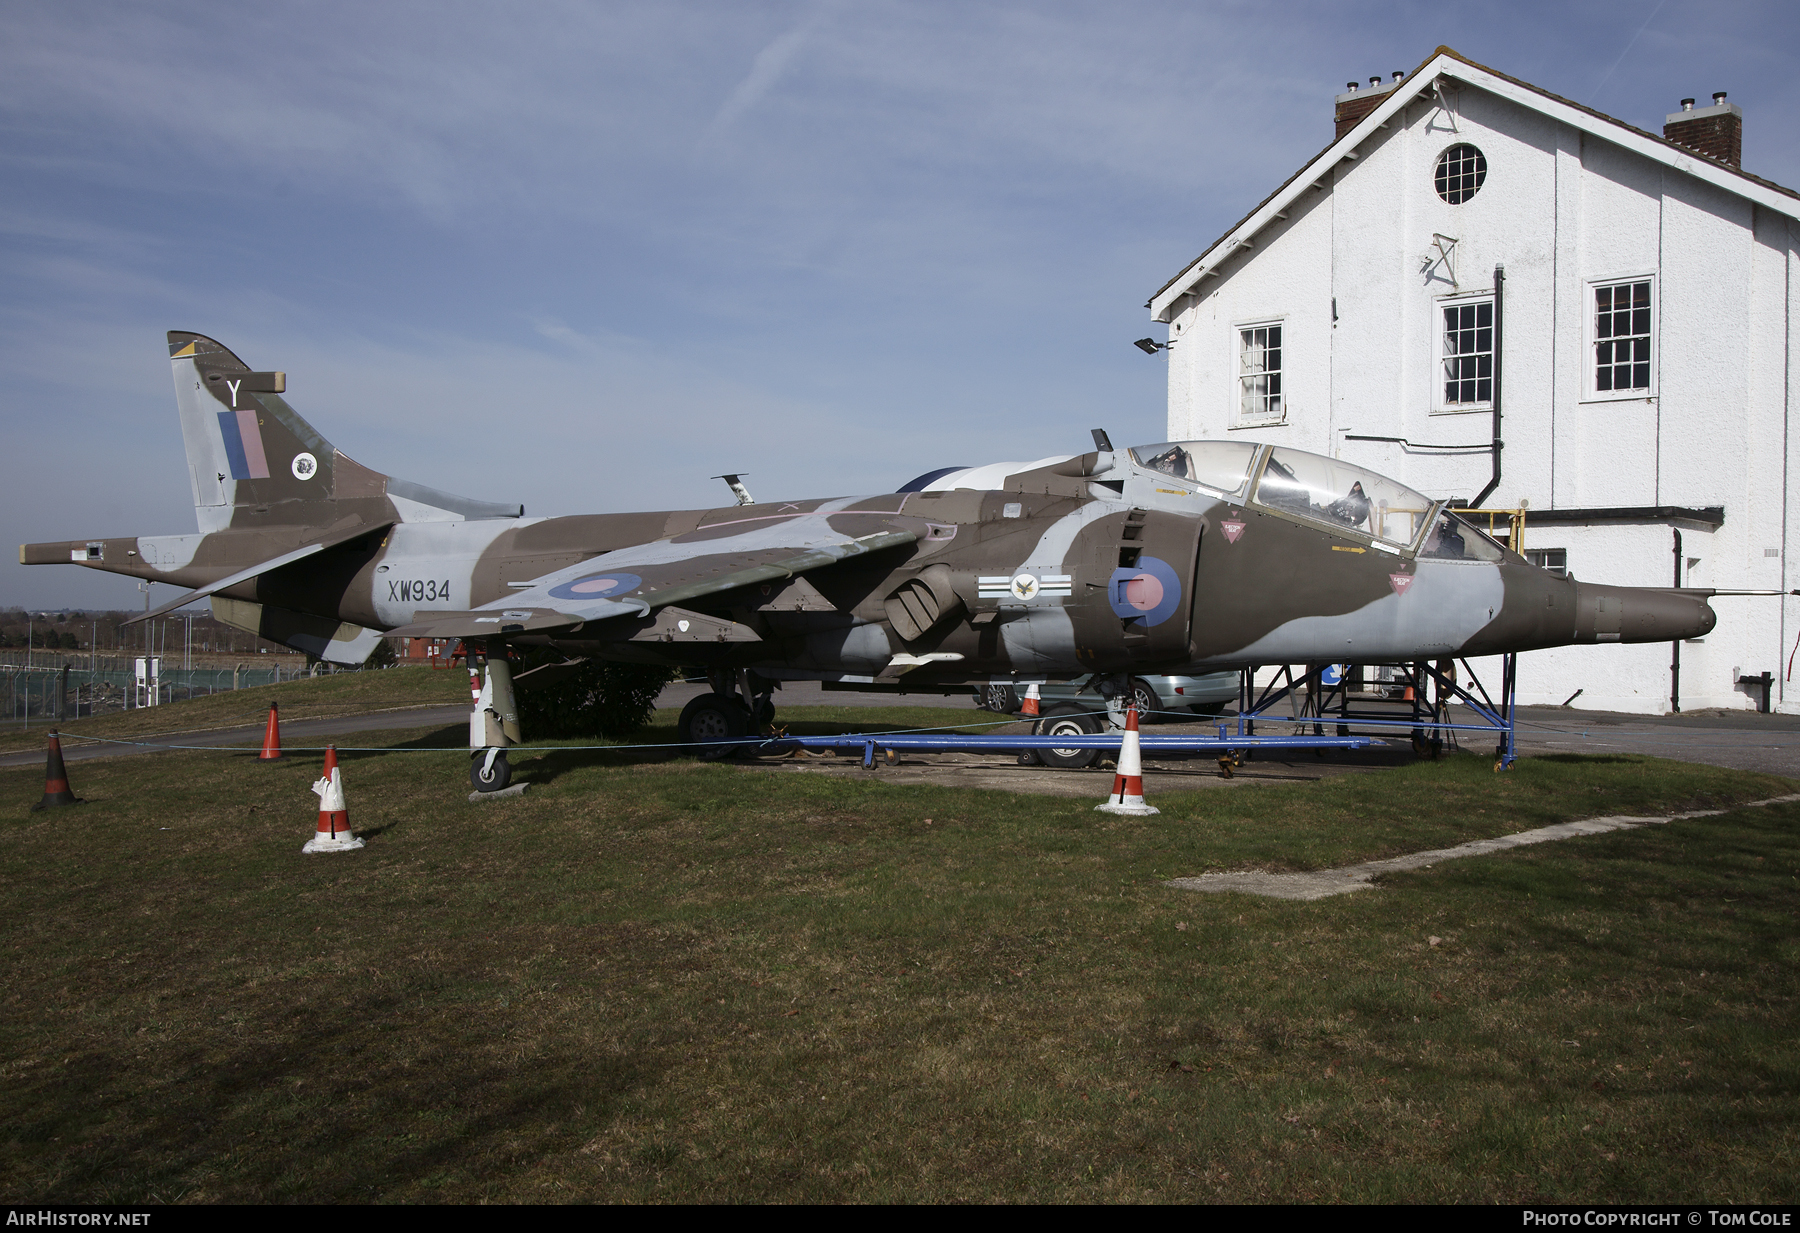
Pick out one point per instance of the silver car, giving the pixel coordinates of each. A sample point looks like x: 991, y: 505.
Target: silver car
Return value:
x: 1075, y: 708
x: 1169, y: 699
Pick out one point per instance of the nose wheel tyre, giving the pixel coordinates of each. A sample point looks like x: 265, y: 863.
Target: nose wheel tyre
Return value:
x: 710, y: 722
x: 489, y: 777
x: 1068, y: 720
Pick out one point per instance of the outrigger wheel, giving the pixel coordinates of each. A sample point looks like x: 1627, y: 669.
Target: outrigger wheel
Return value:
x: 490, y: 775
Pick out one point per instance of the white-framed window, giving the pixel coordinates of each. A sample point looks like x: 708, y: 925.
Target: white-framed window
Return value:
x: 1555, y: 560
x: 1465, y: 378
x: 1621, y: 318
x: 1261, y: 360
x: 1461, y: 171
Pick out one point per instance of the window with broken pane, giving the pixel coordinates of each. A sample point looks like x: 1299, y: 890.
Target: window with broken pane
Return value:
x: 1259, y: 375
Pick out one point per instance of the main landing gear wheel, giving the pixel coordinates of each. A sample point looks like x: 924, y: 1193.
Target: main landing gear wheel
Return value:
x: 1067, y: 720
x: 711, y: 720
x: 489, y: 776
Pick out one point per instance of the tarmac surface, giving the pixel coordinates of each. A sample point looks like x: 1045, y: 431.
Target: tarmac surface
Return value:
x: 1739, y: 739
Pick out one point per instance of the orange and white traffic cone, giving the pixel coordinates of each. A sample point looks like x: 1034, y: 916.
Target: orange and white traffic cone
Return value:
x: 271, y: 750
x: 1128, y: 783
x: 333, y: 834
x: 56, y: 779
x: 1030, y: 705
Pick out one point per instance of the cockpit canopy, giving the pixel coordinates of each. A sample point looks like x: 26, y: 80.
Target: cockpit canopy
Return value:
x: 1223, y: 466
x: 1328, y: 491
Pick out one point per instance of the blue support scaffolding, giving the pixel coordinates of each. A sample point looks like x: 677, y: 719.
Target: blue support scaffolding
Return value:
x: 1316, y: 699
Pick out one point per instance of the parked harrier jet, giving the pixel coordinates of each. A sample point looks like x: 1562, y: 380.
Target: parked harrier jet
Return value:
x: 1175, y: 557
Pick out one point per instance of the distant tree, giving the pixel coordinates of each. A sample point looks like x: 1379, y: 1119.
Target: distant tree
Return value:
x: 585, y: 698
x: 382, y: 656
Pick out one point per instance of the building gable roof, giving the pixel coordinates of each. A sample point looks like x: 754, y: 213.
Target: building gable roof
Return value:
x: 1446, y: 63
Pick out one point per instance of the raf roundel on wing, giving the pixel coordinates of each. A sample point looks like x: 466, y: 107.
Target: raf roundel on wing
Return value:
x: 598, y: 586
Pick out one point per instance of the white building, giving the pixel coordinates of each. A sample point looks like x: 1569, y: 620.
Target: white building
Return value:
x: 1641, y: 348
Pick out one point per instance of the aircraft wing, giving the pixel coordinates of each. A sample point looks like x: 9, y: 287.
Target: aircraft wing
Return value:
x: 637, y: 580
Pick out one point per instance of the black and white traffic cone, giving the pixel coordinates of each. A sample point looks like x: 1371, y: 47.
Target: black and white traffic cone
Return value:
x: 1128, y: 783
x: 333, y: 833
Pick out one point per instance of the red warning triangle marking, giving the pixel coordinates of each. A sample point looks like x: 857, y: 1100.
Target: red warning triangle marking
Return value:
x: 1400, y: 582
x: 1232, y: 531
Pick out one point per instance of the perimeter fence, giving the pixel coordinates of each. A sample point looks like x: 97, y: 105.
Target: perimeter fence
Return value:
x: 55, y: 685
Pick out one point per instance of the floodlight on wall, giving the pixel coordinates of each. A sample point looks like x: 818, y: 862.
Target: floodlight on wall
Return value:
x: 1149, y: 346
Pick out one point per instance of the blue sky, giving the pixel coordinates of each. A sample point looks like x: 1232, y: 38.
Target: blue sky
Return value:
x: 586, y: 256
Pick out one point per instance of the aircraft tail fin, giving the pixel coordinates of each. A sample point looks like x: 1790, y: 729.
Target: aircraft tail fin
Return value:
x: 253, y: 461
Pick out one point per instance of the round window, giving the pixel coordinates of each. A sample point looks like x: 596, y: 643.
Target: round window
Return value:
x: 1460, y: 171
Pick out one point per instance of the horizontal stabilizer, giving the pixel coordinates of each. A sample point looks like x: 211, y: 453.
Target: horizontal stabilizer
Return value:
x: 331, y: 540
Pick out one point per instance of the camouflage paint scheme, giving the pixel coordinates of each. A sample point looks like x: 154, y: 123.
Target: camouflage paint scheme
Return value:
x: 1090, y: 563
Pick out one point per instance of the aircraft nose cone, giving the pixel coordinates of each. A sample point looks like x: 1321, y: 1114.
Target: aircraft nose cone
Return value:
x: 1640, y: 614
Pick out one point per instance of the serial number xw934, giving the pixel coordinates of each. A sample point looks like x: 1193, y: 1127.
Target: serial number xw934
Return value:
x: 401, y: 590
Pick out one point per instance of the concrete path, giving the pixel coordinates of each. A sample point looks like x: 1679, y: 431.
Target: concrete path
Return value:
x: 1322, y: 883
x: 1741, y: 740
x: 294, y: 732
x: 300, y: 732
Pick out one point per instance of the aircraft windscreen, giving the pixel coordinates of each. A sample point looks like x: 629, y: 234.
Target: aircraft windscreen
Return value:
x: 1340, y: 495
x: 1456, y: 539
x: 1219, y: 465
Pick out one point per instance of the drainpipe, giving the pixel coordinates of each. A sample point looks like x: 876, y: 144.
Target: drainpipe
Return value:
x: 1675, y: 656
x: 1499, y: 303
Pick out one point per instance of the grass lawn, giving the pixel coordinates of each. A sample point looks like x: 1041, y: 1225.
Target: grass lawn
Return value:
x: 667, y: 980
x: 325, y: 697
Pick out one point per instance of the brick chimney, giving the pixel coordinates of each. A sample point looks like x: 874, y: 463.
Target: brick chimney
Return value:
x: 1356, y: 103
x: 1716, y: 131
